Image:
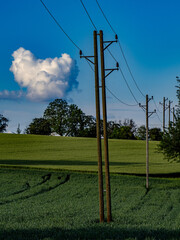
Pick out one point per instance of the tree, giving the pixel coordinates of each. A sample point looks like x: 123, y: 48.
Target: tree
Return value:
x: 112, y: 129
x: 18, y: 129
x: 57, y: 115
x: 125, y: 132
x: 170, y: 143
x: 89, y: 127
x: 121, y: 131
x: 39, y: 126
x: 69, y: 120
x: 130, y: 123
x: 141, y: 133
x: 75, y: 121
x: 155, y: 134
x: 3, y: 123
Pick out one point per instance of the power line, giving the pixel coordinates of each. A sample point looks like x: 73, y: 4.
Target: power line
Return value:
x: 105, y: 17
x: 124, y: 78
x: 128, y: 85
x: 128, y: 67
x: 133, y: 105
x: 156, y: 106
x: 158, y: 118
x: 88, y: 14
x: 132, y: 76
x: 58, y: 24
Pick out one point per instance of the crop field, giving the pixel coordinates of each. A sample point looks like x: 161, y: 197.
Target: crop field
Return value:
x: 80, y: 154
x: 49, y: 190
x: 41, y: 204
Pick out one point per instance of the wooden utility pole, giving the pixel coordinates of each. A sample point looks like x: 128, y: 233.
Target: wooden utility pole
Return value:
x: 173, y: 115
x: 106, y: 150
x: 148, y: 114
x: 169, y: 106
x: 147, y: 143
x: 98, y: 131
x: 98, y: 127
x: 164, y: 110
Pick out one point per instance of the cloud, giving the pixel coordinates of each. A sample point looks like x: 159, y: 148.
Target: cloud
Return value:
x: 43, y: 79
x: 12, y: 95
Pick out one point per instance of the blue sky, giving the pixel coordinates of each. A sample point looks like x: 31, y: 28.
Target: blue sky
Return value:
x: 149, y: 33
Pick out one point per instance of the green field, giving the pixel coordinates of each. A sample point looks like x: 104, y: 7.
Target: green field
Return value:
x: 64, y: 205
x: 49, y: 190
x: 66, y: 153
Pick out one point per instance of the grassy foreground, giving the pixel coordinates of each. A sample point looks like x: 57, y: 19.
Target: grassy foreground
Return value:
x: 38, y: 204
x: 66, y: 153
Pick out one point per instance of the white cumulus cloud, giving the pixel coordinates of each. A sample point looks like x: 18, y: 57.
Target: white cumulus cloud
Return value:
x: 44, y: 79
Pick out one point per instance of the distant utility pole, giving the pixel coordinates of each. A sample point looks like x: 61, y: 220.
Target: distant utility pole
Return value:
x: 106, y: 151
x: 164, y: 110
x: 148, y: 114
x: 173, y: 115
x: 169, y: 106
x: 98, y: 132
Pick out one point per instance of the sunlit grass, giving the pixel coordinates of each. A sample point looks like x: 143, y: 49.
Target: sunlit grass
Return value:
x: 67, y: 153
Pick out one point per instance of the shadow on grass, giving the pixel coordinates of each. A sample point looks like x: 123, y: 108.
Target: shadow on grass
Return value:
x: 99, y: 232
x: 61, y: 162
x: 67, y: 178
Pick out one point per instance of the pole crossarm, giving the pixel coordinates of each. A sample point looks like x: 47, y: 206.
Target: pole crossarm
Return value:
x: 87, y: 58
x: 166, y: 107
x: 151, y: 113
x: 110, y: 42
x: 110, y: 71
x: 165, y: 101
x: 144, y: 107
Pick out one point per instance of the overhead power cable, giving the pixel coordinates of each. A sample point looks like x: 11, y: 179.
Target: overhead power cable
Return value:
x: 105, y: 17
x: 130, y: 105
x: 158, y: 118
x: 156, y: 106
x: 128, y: 86
x: 88, y: 14
x: 128, y: 67
x: 58, y: 24
x: 124, y: 78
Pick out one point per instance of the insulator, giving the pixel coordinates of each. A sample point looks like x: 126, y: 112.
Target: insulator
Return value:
x: 80, y: 52
x: 117, y: 65
x: 116, y: 37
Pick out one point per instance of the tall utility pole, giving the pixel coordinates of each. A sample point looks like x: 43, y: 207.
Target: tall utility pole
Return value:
x: 148, y: 114
x: 164, y: 110
x: 106, y: 151
x: 98, y: 127
x: 98, y: 132
x: 169, y: 106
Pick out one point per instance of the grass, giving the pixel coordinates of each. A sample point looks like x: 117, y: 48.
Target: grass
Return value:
x: 65, y: 153
x: 49, y: 205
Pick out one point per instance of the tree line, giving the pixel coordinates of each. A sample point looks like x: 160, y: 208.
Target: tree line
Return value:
x: 69, y: 120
